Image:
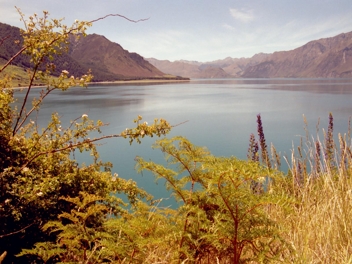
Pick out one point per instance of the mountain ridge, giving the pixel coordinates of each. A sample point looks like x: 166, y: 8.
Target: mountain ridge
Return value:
x: 322, y: 58
x: 107, y: 60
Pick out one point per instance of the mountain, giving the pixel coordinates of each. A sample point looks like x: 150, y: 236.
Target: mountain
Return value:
x: 10, y: 47
x: 324, y: 58
x: 189, y: 69
x: 327, y: 57
x: 103, y: 56
x: 226, y: 68
x: 107, y: 60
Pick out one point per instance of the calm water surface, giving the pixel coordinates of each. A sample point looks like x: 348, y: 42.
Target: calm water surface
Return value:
x: 221, y: 114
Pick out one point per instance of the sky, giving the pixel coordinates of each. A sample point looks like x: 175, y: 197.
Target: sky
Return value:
x: 198, y: 30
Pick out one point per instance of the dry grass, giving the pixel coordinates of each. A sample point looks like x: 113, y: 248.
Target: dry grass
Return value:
x: 319, y: 226
x: 20, y: 77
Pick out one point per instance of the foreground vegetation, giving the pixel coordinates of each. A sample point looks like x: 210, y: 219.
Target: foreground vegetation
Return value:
x: 230, y: 211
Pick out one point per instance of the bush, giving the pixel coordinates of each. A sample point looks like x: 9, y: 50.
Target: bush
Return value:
x: 38, y: 177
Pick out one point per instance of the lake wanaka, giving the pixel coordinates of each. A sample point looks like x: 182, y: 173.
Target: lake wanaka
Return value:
x: 220, y: 113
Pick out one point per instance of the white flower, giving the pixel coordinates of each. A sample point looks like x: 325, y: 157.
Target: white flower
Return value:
x: 65, y: 72
x: 59, y: 128
x: 39, y: 194
x: 84, y: 116
x: 32, y: 122
x: 25, y: 169
x: 146, y: 123
x: 261, y: 179
x: 115, y: 177
x: 7, y: 201
x: 142, y: 132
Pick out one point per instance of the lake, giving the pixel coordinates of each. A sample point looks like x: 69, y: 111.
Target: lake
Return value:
x: 220, y: 114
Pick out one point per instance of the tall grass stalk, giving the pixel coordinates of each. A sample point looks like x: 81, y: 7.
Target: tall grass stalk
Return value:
x: 319, y: 227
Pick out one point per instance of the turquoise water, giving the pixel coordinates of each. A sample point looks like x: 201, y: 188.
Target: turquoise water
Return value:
x: 220, y: 114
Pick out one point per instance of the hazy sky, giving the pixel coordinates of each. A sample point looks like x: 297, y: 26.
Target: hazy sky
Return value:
x: 202, y: 30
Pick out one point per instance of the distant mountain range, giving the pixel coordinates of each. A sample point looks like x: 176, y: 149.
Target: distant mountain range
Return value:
x: 107, y: 60
x: 326, y: 58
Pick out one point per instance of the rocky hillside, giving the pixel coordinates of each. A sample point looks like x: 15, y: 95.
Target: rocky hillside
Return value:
x: 98, y: 53
x: 226, y: 68
x: 108, y: 61
x: 327, y: 58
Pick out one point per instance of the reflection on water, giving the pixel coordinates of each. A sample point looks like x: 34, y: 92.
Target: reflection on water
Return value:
x: 221, y: 114
x: 331, y: 86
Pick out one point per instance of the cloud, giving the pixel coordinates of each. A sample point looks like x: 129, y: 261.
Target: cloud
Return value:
x: 160, y: 44
x: 242, y: 15
x: 227, y: 26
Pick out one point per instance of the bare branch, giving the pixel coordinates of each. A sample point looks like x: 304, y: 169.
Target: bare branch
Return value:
x: 22, y: 17
x: 131, y: 20
x: 16, y: 127
x: 72, y: 146
x: 3, y: 39
x: 81, y: 143
x: 13, y: 233
x: 13, y: 57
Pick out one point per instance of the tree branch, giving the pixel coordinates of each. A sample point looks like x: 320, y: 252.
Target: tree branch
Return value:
x: 3, y: 39
x: 13, y: 57
x: 131, y: 20
x: 16, y: 127
x: 13, y: 233
x: 69, y: 146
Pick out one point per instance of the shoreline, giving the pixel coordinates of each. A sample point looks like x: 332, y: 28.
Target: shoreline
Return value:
x: 141, y: 81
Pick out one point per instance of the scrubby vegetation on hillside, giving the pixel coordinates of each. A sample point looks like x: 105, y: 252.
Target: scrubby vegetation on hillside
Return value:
x: 230, y: 211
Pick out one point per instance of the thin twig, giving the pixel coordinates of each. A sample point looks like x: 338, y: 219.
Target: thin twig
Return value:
x: 14, y: 57
x: 13, y: 233
x: 33, y: 108
x: 131, y: 20
x: 16, y: 127
x: 3, y: 39
x: 70, y: 146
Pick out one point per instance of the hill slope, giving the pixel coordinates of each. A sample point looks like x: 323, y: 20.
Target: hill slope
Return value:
x: 226, y: 68
x: 107, y: 60
x: 103, y: 56
x: 10, y: 34
x: 327, y: 58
